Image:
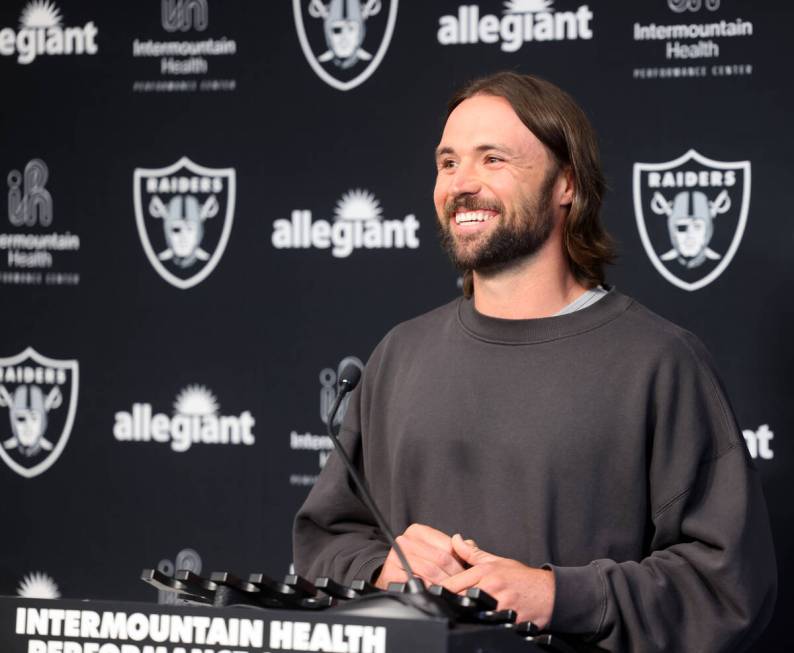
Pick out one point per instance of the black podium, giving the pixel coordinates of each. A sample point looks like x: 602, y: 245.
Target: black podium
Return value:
x: 70, y: 626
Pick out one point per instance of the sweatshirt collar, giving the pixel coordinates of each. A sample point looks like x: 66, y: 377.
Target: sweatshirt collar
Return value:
x: 517, y: 332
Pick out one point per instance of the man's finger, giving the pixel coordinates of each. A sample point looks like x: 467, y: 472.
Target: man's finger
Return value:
x: 429, y: 535
x: 433, y: 574
x: 468, y: 551
x: 441, y: 558
x: 391, y: 572
x: 464, y: 580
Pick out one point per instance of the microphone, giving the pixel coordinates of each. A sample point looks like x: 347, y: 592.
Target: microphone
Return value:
x: 349, y: 378
x: 417, y: 595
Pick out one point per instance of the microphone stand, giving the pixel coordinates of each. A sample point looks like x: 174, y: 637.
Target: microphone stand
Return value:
x: 383, y: 604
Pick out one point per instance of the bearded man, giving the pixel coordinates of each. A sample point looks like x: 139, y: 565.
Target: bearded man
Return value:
x: 545, y: 437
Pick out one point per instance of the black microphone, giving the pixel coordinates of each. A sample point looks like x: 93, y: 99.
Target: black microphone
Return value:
x: 417, y: 595
x: 349, y: 378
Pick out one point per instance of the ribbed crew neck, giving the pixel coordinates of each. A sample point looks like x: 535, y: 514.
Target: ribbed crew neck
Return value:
x: 526, y: 332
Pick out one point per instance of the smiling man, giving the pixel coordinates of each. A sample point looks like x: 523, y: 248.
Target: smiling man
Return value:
x: 545, y: 437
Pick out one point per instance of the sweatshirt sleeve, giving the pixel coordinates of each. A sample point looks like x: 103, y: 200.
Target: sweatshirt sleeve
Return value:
x: 334, y: 533
x: 708, y: 582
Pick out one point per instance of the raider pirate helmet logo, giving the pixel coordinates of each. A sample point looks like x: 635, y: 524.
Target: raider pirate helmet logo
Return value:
x: 184, y: 214
x: 691, y: 214
x: 344, y: 41
x: 40, y: 394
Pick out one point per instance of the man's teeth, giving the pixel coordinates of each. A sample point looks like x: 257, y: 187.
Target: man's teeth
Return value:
x: 473, y: 216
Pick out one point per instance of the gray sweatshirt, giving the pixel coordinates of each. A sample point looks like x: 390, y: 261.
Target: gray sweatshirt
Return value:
x: 599, y: 443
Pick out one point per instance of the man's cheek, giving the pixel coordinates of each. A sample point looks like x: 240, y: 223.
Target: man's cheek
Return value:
x: 440, y: 213
x: 440, y: 191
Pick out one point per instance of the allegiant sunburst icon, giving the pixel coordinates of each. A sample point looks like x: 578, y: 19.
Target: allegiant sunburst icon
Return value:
x: 196, y: 400
x: 40, y: 14
x: 358, y: 204
x: 38, y: 586
x: 526, y: 6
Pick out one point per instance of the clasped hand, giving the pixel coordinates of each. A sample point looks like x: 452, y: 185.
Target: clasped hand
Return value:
x: 459, y: 564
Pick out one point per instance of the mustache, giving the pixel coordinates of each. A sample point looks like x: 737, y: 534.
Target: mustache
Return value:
x: 471, y: 203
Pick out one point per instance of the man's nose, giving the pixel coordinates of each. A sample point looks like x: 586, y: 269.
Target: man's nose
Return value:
x: 465, y: 181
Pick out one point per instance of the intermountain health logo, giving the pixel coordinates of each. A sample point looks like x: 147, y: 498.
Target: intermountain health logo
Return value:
x: 691, y: 214
x: 680, y: 6
x: 184, y: 15
x: 344, y: 41
x: 321, y: 445
x: 40, y: 394
x: 521, y: 21
x: 357, y: 224
x: 33, y: 252
x: 196, y: 419
x: 699, y: 39
x: 184, y: 214
x: 186, y: 559
x: 189, y: 57
x: 41, y: 33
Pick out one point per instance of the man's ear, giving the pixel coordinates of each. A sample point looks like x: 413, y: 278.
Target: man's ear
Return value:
x: 567, y: 186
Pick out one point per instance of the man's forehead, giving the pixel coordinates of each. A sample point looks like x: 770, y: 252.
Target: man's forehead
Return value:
x: 485, y: 120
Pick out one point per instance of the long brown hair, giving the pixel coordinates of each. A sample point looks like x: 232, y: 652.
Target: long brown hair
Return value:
x: 560, y: 124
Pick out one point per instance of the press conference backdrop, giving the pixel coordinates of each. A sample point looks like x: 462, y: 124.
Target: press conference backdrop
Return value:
x: 210, y: 206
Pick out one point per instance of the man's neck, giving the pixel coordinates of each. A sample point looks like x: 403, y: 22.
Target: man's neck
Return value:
x: 533, y: 288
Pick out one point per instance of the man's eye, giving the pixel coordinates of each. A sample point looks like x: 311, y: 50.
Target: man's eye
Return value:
x: 493, y: 159
x: 448, y: 163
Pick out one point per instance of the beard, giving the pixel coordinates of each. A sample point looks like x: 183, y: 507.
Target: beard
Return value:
x: 516, y: 237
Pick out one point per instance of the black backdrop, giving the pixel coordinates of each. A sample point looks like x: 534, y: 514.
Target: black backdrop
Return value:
x: 260, y: 336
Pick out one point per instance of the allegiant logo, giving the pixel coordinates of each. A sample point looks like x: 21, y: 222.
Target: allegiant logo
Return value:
x: 522, y: 21
x: 357, y: 224
x: 40, y: 33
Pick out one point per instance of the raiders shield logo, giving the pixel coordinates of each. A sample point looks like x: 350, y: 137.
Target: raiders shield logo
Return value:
x: 184, y: 214
x: 344, y: 41
x: 691, y: 214
x: 40, y: 395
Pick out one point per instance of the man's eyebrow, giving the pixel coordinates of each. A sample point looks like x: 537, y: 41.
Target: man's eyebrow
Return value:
x: 494, y: 146
x: 485, y: 147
